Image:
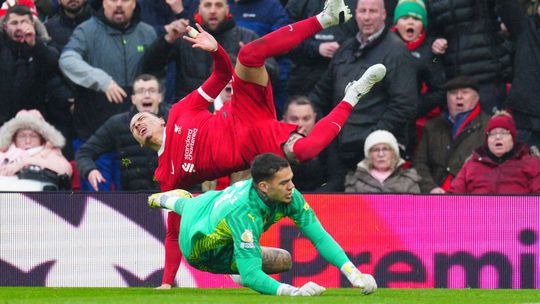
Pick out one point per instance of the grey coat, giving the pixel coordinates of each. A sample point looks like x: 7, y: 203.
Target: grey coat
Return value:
x: 97, y: 53
x: 401, y: 181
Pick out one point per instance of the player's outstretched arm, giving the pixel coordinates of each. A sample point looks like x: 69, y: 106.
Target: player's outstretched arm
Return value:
x: 333, y: 253
x: 222, y: 72
x: 253, y: 277
x: 201, y: 39
x: 364, y: 281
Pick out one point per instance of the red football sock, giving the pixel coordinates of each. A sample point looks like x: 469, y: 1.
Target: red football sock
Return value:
x: 173, y: 255
x: 278, y: 42
x: 324, y: 131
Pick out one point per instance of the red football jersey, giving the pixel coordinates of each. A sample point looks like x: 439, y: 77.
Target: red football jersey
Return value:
x: 200, y: 146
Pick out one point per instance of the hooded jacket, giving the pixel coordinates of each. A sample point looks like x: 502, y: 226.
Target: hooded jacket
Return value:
x: 47, y: 156
x: 97, y: 53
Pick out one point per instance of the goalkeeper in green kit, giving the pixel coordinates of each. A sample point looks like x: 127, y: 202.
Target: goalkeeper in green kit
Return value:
x: 220, y: 230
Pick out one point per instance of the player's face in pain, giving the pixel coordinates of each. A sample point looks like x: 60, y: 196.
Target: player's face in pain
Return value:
x: 279, y: 189
x: 145, y: 127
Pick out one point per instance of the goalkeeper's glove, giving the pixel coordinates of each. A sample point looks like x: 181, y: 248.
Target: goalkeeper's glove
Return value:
x: 363, y: 281
x: 309, y: 289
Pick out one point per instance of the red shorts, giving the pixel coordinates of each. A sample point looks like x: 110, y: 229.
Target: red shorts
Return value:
x: 254, y: 114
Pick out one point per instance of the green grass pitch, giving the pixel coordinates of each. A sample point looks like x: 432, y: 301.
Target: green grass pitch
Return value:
x: 243, y: 295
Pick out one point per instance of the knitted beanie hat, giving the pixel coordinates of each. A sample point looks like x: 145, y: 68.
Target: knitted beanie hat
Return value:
x: 414, y: 8
x: 502, y: 119
x: 380, y: 137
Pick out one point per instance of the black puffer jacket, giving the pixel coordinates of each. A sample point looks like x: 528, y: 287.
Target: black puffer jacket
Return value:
x: 137, y: 164
x: 524, y: 97
x: 308, y: 64
x: 24, y: 71
x: 431, y: 73
x: 475, y: 46
x: 60, y: 27
x: 389, y: 105
x: 194, y: 66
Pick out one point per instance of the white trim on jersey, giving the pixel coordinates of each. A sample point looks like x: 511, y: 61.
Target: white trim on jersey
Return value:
x: 162, y: 148
x: 204, y: 95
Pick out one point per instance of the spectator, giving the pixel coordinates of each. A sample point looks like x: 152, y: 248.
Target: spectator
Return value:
x: 311, y: 58
x: 381, y: 170
x: 26, y: 62
x: 36, y: 13
x: 71, y: 13
x: 160, y: 13
x: 137, y: 165
x: 391, y: 104
x: 502, y: 165
x: 317, y: 174
x: 184, y: 9
x: 524, y: 97
x: 470, y: 43
x: 30, y: 148
x: 410, y: 23
x: 449, y: 139
x: 263, y: 17
x: 193, y: 67
x: 530, y: 7
x: 103, y: 57
x: 61, y: 95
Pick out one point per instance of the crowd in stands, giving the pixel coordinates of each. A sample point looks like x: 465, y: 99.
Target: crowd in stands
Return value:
x: 457, y: 112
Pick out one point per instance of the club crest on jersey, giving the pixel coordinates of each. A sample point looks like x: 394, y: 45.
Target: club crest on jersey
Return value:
x: 177, y: 129
x: 247, y: 239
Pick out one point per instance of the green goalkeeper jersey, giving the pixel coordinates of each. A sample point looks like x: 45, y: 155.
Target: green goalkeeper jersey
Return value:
x: 220, y: 232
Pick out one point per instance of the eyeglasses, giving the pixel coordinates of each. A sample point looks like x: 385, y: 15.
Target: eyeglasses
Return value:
x: 383, y: 150
x: 150, y: 91
x: 501, y: 133
x: 27, y: 136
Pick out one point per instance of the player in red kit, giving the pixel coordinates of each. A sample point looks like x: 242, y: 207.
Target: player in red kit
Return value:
x: 197, y: 145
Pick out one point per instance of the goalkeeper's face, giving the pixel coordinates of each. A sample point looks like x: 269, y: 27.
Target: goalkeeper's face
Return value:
x: 280, y: 187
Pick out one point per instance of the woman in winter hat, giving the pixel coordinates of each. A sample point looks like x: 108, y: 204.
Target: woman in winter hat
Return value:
x: 381, y: 171
x: 502, y: 165
x: 28, y: 140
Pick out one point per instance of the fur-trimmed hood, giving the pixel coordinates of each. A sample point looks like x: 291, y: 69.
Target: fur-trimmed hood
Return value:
x: 30, y: 119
